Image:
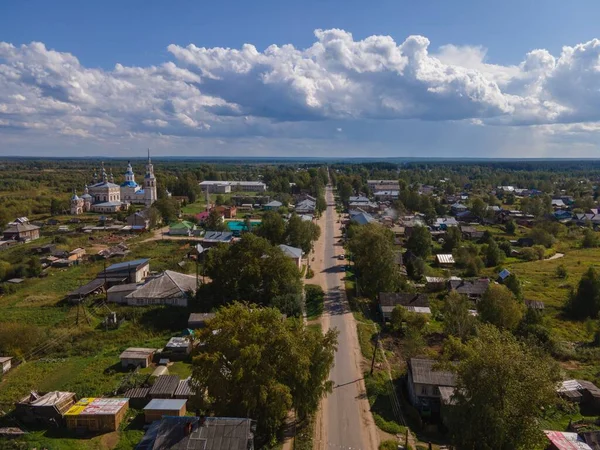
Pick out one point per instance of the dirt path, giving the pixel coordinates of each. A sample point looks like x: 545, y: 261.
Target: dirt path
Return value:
x: 555, y: 256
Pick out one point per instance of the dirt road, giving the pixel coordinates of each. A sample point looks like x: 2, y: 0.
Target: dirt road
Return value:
x: 344, y: 420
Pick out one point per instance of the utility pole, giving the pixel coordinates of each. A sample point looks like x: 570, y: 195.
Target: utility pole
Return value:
x: 375, y: 352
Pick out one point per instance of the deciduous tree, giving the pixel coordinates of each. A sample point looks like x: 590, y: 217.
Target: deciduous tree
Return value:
x: 373, y: 251
x: 503, y: 386
x: 499, y: 307
x: 419, y: 242
x: 252, y: 363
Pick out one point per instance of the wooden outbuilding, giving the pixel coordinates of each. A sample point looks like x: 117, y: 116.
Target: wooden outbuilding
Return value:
x: 159, y: 407
x: 97, y: 414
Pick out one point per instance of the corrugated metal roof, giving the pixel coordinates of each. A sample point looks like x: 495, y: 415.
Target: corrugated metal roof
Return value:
x: 162, y: 404
x: 139, y: 392
x: 168, y: 284
x: 127, y: 265
x: 566, y: 441
x: 184, y: 389
x: 445, y: 258
x: 402, y: 298
x: 217, y: 433
x: 423, y: 373
x: 292, y: 252
x: 165, y: 385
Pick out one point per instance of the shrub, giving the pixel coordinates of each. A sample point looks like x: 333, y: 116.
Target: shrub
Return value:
x: 309, y: 273
x: 561, y: 272
x: 388, y: 445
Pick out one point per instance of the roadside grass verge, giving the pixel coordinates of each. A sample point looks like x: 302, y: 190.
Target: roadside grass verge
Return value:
x: 315, y: 298
x: 378, y: 393
x: 304, y: 435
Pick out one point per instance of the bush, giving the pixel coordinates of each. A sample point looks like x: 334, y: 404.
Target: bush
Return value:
x: 309, y: 273
x: 561, y: 272
x: 388, y: 445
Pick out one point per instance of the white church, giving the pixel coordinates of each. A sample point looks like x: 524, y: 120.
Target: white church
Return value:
x: 104, y: 196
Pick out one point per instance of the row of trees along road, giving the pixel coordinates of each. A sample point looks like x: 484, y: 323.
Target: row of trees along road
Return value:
x: 255, y: 364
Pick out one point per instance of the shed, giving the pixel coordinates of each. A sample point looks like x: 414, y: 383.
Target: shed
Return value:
x: 93, y: 287
x: 44, y: 408
x: 561, y: 440
x: 184, y: 390
x: 97, y: 414
x: 164, y: 386
x: 198, y: 320
x: 138, y: 397
x: 5, y: 363
x: 178, y: 348
x: 137, y: 357
x: 117, y: 294
x: 444, y: 259
x: 159, y: 407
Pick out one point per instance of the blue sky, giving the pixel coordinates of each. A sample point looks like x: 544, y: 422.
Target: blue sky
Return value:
x: 386, y: 78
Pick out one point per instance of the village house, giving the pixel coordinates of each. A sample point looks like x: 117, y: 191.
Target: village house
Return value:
x: 133, y: 271
x: 295, y: 254
x: 389, y: 300
x: 472, y: 289
x: 183, y: 228
x: 137, y: 357
x: 175, y: 433
x: 139, y: 220
x: 97, y: 414
x: 212, y: 238
x: 119, y: 293
x: 424, y: 383
x: 167, y: 288
x: 24, y: 232
x: 227, y: 212
x: 306, y: 206
x: 273, y: 205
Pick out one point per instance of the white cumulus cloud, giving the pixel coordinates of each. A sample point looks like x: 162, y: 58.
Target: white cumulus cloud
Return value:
x: 287, y: 92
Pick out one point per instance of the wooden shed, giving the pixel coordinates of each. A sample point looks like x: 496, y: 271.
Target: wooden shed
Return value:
x: 97, y: 414
x: 44, y: 408
x: 164, y: 386
x: 159, y: 407
x: 137, y: 357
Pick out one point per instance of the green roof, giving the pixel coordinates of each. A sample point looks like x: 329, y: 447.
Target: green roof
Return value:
x: 183, y: 224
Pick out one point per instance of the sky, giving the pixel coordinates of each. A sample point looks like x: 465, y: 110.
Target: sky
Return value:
x: 312, y: 78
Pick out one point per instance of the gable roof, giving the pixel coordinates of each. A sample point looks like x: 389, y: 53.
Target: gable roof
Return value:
x: 403, y: 298
x: 134, y: 264
x: 475, y: 287
x: 423, y: 373
x: 291, y: 252
x: 214, y: 433
x: 218, y: 236
x: 168, y: 284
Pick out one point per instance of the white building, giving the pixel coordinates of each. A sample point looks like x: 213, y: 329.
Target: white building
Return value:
x: 223, y: 187
x: 104, y: 196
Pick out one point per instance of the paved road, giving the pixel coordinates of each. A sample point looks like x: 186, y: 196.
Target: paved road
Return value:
x: 345, y: 415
